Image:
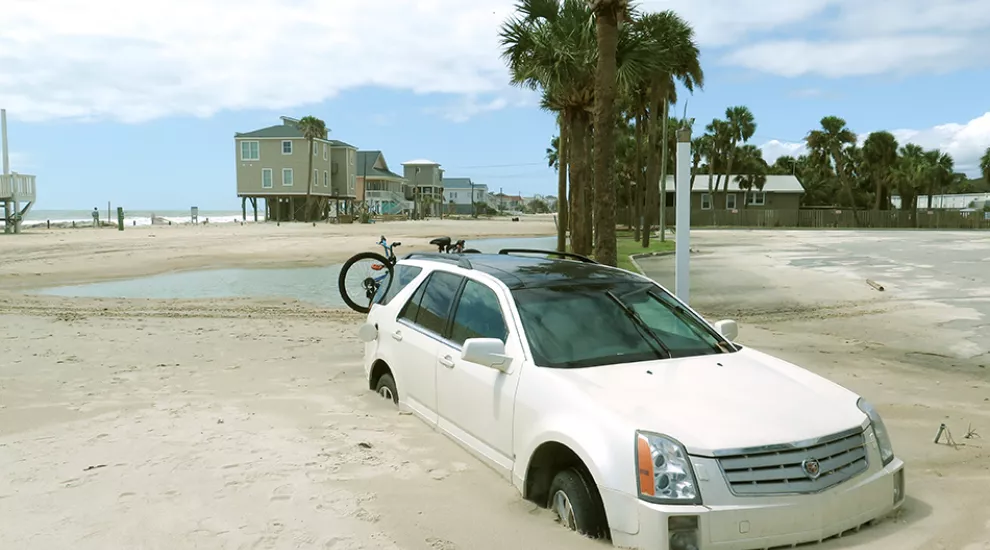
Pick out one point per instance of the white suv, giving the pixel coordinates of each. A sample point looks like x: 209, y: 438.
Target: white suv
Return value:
x: 602, y: 396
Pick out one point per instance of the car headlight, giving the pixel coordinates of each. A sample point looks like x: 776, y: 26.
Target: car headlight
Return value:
x: 879, y: 429
x: 664, y: 471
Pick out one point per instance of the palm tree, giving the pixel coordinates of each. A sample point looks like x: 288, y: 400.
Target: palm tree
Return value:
x: 785, y: 165
x: 312, y: 128
x: 985, y: 166
x: 910, y: 174
x: 676, y: 54
x: 751, y: 169
x: 608, y: 14
x: 880, y: 155
x: 940, y: 169
x: 721, y: 138
x: 831, y: 142
x: 550, y: 45
x: 741, y: 127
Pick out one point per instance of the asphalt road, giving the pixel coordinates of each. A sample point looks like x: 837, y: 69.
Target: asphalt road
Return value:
x: 937, y: 280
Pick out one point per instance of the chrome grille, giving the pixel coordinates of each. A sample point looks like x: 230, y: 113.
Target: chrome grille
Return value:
x: 779, y: 469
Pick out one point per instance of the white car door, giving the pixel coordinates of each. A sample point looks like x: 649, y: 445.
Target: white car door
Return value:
x: 475, y: 401
x: 416, y: 335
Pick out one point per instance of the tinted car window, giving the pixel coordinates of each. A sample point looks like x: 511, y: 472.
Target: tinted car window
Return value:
x: 588, y: 325
x: 478, y: 314
x: 437, y: 298
x: 404, y: 274
x: 411, y: 309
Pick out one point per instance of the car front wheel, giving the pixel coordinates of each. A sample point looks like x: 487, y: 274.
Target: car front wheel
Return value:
x: 385, y: 388
x: 576, y: 505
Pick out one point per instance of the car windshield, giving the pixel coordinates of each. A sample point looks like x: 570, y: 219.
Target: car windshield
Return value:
x: 573, y: 326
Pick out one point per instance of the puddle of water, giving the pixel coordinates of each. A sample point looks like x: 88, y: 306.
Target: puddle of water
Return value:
x: 315, y: 285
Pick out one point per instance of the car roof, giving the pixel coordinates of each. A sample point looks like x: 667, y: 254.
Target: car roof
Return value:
x: 519, y: 271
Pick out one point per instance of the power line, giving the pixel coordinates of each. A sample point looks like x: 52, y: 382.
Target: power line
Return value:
x: 499, y: 166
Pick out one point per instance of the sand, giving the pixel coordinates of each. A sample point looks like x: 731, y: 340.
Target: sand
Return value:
x: 235, y: 424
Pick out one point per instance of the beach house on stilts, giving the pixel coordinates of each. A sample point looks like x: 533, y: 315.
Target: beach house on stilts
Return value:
x: 17, y: 191
x: 273, y: 163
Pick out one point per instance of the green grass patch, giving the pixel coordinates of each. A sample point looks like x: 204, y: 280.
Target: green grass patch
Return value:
x: 626, y: 246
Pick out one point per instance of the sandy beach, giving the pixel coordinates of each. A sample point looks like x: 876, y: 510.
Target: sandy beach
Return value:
x: 245, y: 423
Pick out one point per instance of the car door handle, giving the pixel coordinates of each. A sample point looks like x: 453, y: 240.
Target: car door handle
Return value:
x: 397, y: 335
x: 447, y: 361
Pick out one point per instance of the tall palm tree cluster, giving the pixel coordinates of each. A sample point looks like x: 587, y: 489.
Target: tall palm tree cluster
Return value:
x: 837, y: 171
x: 609, y: 73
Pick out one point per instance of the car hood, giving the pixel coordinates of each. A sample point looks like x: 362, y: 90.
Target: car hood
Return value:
x: 725, y: 401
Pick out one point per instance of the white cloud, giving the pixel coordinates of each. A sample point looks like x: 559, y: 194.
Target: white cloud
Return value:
x: 135, y: 61
x: 872, y: 37
x: 965, y: 142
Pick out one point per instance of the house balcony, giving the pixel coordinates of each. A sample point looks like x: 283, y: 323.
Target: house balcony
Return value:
x: 17, y: 187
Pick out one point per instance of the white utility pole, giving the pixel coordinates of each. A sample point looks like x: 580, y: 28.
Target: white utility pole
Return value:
x: 682, y: 274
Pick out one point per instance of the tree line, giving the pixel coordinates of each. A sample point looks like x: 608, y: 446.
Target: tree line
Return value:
x: 609, y: 73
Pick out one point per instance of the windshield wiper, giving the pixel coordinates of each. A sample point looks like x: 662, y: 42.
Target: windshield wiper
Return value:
x: 642, y: 326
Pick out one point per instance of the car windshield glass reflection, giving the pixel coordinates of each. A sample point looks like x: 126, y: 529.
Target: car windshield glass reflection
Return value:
x: 598, y: 324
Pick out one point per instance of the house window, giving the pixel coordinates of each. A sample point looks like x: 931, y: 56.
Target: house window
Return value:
x: 757, y: 198
x: 325, y: 157
x: 730, y: 201
x: 316, y: 176
x: 326, y: 179
x: 266, y: 178
x: 706, y: 201
x: 286, y: 147
x: 350, y: 156
x: 287, y: 177
x: 316, y: 149
x: 453, y: 194
x: 250, y: 150
x: 352, y: 183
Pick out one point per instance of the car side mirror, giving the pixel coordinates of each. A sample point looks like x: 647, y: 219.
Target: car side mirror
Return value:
x: 368, y: 332
x: 728, y: 329
x: 488, y: 352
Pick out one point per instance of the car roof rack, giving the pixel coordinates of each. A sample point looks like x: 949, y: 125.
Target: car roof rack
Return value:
x: 456, y: 259
x: 569, y: 255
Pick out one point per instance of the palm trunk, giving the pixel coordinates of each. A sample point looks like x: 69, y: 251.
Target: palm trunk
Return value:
x: 652, y: 164
x: 879, y: 188
x: 607, y: 27
x: 637, y: 200
x: 663, y: 172
x: 562, y: 158
x: 309, y: 186
x: 580, y: 175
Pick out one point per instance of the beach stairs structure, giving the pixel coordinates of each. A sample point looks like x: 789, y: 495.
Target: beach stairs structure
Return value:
x: 18, y: 194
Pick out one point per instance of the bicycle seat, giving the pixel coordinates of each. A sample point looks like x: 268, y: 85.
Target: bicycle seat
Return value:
x: 395, y: 244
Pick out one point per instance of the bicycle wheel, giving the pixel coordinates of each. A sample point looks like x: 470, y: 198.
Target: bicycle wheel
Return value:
x: 470, y: 251
x: 362, y: 277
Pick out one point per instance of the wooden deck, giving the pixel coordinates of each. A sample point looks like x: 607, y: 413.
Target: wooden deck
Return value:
x: 18, y: 193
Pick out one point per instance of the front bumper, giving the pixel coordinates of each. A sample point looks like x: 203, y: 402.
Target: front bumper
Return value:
x: 727, y: 522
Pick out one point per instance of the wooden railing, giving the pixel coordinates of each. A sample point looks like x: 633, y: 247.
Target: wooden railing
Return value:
x: 19, y: 187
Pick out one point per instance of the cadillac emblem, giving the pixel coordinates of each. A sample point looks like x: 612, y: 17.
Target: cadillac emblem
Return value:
x: 811, y: 468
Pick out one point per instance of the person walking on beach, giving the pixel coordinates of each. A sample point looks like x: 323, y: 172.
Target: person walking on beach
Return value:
x: 96, y: 217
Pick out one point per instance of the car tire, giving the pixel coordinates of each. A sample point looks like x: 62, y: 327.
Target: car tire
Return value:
x: 575, y: 504
x: 385, y: 388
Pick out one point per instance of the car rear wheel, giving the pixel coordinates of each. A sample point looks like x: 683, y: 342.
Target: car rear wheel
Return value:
x: 575, y: 505
x: 385, y: 388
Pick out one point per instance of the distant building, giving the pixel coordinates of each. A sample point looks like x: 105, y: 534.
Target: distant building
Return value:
x: 509, y: 202
x: 426, y: 179
x: 383, y: 191
x: 272, y: 163
x: 778, y: 193
x: 460, y: 194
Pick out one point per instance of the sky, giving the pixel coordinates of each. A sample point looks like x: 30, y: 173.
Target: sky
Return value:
x: 137, y: 102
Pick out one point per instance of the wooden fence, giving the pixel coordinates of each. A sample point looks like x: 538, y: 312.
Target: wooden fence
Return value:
x: 832, y: 218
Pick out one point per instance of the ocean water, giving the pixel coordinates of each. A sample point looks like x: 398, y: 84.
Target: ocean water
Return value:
x: 314, y: 285
x: 131, y: 217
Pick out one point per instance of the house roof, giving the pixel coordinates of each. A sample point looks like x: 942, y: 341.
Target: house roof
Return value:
x: 287, y: 131
x: 509, y: 197
x: 774, y: 184
x: 420, y: 162
x: 338, y: 143
x: 459, y: 183
x: 366, y: 166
